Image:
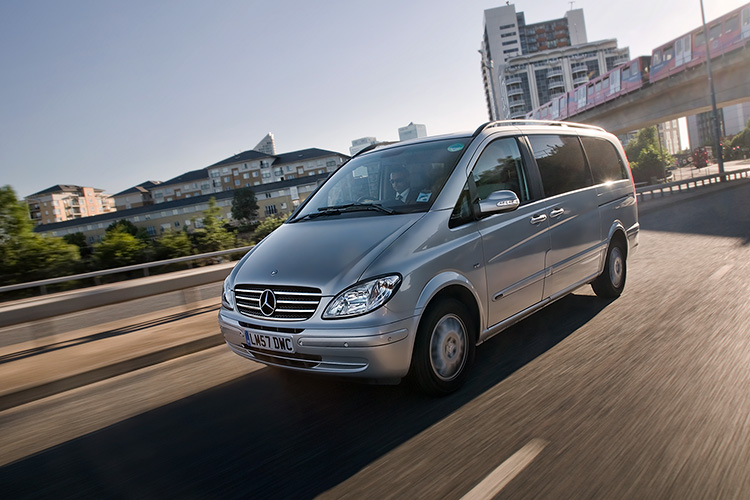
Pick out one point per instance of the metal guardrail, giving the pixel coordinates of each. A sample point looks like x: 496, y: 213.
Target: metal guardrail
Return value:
x: 42, y: 284
x: 689, y: 184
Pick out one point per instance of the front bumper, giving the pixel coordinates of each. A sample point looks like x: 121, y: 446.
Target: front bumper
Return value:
x: 364, y: 352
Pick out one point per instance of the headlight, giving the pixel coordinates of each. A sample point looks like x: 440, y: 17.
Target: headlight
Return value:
x: 227, y: 295
x: 363, y: 298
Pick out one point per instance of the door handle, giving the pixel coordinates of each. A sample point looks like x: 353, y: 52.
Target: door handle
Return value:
x: 557, y: 212
x: 538, y: 219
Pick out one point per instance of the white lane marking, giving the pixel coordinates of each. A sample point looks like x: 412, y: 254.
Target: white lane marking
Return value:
x: 497, y: 479
x: 720, y: 273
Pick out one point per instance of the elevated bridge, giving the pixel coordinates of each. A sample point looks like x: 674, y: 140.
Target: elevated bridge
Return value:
x: 683, y: 94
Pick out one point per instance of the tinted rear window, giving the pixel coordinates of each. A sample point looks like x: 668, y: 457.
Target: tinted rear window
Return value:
x: 561, y: 163
x: 606, y: 164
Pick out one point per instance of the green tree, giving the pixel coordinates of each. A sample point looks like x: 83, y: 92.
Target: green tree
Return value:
x: 739, y: 147
x: 14, y: 223
x: 118, y: 248
x: 173, y: 244
x: 79, y: 239
x: 267, y: 226
x: 125, y: 225
x: 48, y: 257
x: 212, y: 236
x: 649, y: 165
x: 244, y: 206
x: 644, y: 157
x: 25, y: 255
x: 644, y: 138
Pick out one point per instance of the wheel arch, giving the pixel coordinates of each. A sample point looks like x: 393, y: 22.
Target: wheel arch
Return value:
x: 617, y: 235
x: 455, y: 286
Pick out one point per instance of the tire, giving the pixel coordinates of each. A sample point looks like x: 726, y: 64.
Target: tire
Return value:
x: 444, y: 348
x: 611, y: 282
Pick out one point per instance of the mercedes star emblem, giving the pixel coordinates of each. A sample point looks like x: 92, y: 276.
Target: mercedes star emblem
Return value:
x: 267, y: 302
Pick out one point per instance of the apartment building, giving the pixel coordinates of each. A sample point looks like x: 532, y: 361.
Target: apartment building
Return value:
x: 136, y: 196
x: 526, y: 65
x: 248, y: 169
x: 529, y: 81
x: 732, y: 119
x: 276, y: 198
x: 669, y: 136
x: 64, y: 202
x: 280, y: 183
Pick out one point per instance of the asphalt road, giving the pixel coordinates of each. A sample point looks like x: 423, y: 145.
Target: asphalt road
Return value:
x: 647, y: 396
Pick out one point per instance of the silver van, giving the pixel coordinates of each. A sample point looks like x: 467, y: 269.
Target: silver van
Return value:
x: 412, y: 254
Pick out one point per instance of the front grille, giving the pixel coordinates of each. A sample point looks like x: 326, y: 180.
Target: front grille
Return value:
x: 292, y: 303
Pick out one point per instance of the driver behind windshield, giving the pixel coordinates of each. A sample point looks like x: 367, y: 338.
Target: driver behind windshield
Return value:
x: 401, y: 183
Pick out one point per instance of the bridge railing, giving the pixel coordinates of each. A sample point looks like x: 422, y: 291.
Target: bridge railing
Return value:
x: 97, y: 275
x: 646, y: 193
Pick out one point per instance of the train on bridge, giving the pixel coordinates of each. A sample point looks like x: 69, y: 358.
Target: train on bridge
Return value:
x: 727, y: 33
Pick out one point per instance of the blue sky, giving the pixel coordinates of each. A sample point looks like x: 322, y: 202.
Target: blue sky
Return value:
x: 111, y: 93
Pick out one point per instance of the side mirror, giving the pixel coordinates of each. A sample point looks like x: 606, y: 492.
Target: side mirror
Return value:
x: 499, y: 202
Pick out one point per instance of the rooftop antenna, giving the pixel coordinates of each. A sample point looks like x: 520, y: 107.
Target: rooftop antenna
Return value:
x: 571, y: 5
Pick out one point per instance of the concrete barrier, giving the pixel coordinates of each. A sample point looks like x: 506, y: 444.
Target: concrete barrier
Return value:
x: 152, y: 293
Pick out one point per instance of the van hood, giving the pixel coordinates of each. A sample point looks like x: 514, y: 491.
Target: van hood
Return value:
x: 327, y: 254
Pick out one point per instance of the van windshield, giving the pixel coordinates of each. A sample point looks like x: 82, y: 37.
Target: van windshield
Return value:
x: 401, y: 179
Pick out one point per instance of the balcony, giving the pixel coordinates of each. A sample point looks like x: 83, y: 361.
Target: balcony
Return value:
x: 517, y: 103
x: 579, y: 68
x: 555, y: 84
x: 581, y: 80
x: 513, y: 80
x: 515, y: 91
x: 518, y: 114
x: 556, y: 92
x: 554, y: 72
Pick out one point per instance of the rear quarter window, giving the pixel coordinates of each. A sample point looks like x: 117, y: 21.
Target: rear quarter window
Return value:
x: 561, y: 163
x: 604, y: 160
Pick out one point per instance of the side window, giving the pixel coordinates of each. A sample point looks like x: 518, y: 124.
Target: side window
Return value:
x: 656, y: 59
x: 714, y: 32
x: 561, y: 163
x: 606, y: 164
x: 668, y: 53
x: 500, y: 167
x: 700, y: 39
x: 732, y: 24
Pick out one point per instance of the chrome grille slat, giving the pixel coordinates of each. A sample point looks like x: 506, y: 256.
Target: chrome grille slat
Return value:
x: 292, y: 303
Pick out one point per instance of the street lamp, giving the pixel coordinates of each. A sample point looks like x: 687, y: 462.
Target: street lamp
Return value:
x: 714, y: 112
x: 488, y: 65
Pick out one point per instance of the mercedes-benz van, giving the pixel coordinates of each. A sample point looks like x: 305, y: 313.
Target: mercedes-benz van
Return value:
x: 412, y: 254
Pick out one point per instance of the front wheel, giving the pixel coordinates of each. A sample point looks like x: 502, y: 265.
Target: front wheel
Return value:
x: 444, y: 348
x: 611, y: 282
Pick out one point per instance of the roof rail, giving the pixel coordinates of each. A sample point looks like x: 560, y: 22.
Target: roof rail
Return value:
x: 501, y: 123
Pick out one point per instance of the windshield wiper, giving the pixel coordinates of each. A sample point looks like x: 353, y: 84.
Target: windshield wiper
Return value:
x: 348, y: 207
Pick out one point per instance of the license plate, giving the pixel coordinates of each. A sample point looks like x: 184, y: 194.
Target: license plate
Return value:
x: 269, y: 341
